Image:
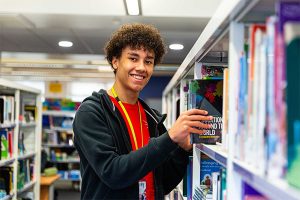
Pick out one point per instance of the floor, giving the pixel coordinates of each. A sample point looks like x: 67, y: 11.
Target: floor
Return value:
x: 67, y: 195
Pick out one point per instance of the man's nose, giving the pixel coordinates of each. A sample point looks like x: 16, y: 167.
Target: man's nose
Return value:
x: 141, y: 66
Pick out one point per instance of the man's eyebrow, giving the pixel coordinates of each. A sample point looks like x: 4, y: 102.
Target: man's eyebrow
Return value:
x: 137, y: 55
x: 132, y: 54
x: 150, y: 57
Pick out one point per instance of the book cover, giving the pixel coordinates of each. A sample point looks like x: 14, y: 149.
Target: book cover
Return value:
x: 223, y: 187
x: 208, y: 166
x: 207, y: 95
x: 292, y: 40
x: 189, y: 179
x: 250, y: 193
x: 275, y: 153
x: 4, y: 143
x: 212, y: 72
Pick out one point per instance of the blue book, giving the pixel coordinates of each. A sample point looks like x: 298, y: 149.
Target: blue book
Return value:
x: 207, y: 167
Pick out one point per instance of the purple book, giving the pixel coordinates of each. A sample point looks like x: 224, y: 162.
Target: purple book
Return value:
x: 288, y: 12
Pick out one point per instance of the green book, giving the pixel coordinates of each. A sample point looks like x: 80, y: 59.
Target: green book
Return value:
x: 292, y: 38
x: 4, y: 144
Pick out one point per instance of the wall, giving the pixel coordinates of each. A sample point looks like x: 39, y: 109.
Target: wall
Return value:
x: 152, y: 93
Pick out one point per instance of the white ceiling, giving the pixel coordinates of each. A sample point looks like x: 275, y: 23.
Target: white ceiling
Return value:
x: 37, y: 25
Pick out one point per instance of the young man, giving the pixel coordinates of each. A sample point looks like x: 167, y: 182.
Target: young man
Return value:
x: 125, y: 150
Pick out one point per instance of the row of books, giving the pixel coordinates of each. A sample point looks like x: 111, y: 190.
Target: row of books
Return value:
x: 6, y: 147
x: 57, y: 137
x: 50, y: 121
x: 25, y: 172
x: 7, y: 109
x: 6, y: 181
x: 269, y: 95
x: 60, y: 104
x: 212, y: 180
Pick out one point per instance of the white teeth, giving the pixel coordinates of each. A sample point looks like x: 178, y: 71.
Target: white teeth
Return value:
x: 138, y: 77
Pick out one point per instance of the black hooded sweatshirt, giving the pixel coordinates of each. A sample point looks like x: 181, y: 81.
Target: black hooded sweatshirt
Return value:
x: 108, y: 166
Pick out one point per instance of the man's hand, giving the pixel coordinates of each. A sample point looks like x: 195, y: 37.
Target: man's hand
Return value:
x: 189, y: 122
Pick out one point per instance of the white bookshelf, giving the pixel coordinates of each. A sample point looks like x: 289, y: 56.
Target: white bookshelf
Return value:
x: 49, y: 145
x: 32, y: 136
x: 225, y: 32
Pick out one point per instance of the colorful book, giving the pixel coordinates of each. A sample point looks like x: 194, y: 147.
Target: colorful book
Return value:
x: 208, y: 167
x: 212, y: 72
x: 207, y: 95
x: 4, y: 144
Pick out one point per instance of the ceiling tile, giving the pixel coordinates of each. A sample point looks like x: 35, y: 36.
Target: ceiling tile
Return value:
x: 179, y: 8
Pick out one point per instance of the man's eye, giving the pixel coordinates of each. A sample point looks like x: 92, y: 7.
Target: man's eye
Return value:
x: 133, y: 59
x: 149, y: 62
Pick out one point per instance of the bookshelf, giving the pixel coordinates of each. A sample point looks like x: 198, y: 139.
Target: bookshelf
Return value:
x: 225, y: 34
x: 58, y: 143
x: 21, y: 138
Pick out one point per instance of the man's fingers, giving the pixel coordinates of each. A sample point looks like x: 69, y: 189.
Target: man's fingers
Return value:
x: 199, y: 118
x: 197, y: 131
x: 199, y: 124
x: 196, y: 112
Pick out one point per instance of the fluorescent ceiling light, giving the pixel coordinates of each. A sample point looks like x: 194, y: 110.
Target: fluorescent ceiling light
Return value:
x: 65, y: 43
x: 176, y: 46
x: 132, y: 7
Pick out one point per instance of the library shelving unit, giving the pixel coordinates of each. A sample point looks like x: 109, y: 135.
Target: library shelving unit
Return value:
x: 20, y: 140
x: 58, y: 143
x: 225, y: 35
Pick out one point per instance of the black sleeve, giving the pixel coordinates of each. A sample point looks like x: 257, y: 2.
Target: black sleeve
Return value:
x: 94, y: 139
x: 174, y: 168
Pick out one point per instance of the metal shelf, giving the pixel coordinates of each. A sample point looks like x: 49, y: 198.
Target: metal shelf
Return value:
x: 274, y: 189
x: 8, y: 125
x: 7, y: 162
x: 26, y: 156
x: 26, y: 187
x: 28, y: 125
x: 215, y: 152
x: 65, y: 161
x: 58, y: 145
x: 60, y: 113
x: 7, y: 197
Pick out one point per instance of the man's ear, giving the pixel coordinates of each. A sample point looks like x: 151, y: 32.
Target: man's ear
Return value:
x: 114, y: 63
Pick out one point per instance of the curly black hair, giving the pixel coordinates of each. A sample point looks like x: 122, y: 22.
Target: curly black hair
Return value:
x: 135, y: 36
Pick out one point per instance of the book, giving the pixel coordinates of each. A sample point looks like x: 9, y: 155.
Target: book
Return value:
x: 208, y: 167
x: 189, y: 179
x: 4, y: 144
x: 249, y: 193
x: 223, y: 185
x: 216, y: 185
x: 225, y: 111
x: 6, y: 179
x: 30, y: 113
x: 212, y: 72
x: 256, y: 32
x: 292, y: 40
x: 207, y: 95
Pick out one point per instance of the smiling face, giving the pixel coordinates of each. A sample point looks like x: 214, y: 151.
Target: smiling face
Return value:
x: 133, y: 69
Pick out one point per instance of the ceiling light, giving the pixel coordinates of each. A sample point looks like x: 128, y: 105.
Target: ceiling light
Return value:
x: 132, y: 7
x: 65, y: 43
x: 176, y: 46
